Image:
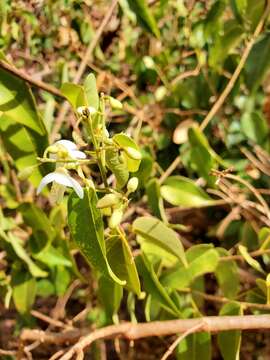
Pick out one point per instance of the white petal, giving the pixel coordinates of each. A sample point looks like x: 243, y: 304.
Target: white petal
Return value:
x: 76, y: 154
x: 63, y: 178
x: 77, y: 188
x: 46, y: 180
x: 69, y: 145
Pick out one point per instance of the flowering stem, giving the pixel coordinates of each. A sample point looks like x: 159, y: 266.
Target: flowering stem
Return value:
x: 97, y: 150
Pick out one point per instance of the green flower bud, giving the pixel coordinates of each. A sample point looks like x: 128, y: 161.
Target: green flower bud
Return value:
x: 26, y: 172
x: 148, y: 62
x: 108, y: 201
x: 115, y: 104
x: 116, y: 218
x: 133, y: 153
x: 53, y: 149
x: 132, y: 184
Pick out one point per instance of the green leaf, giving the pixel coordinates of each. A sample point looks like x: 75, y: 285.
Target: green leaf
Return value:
x: 227, y: 276
x: 258, y: 63
x: 154, y: 199
x: 42, y: 230
x: 194, y: 347
x: 239, y: 8
x: 153, y: 286
x: 122, y: 262
x: 230, y: 341
x: 110, y: 295
x: 23, y: 144
x: 118, y: 167
x: 23, y: 291
x: 91, y: 93
x: 86, y: 227
x: 154, y: 231
x: 52, y: 257
x: 202, y: 259
x: 22, y: 254
x: 144, y: 15
x: 17, y: 102
x: 181, y: 191
x: 224, y: 44
x: 74, y: 94
x: 254, y: 126
x: 125, y: 142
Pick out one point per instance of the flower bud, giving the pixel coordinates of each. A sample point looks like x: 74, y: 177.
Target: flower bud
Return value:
x: 53, y: 149
x: 26, y: 172
x: 116, y: 218
x: 108, y: 201
x: 148, y: 62
x: 132, y: 184
x: 133, y: 153
x: 115, y: 104
x: 86, y: 110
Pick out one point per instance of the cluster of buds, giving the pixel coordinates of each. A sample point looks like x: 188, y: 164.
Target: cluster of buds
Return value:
x: 113, y: 205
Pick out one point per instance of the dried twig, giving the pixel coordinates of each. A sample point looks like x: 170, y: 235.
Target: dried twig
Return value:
x: 237, y: 71
x: 29, y: 79
x: 133, y: 331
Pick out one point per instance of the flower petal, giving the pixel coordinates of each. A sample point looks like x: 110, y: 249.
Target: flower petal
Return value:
x: 76, y: 154
x: 45, y: 181
x: 69, y: 145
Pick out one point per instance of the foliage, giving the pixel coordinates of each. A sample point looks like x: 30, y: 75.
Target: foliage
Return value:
x: 155, y: 216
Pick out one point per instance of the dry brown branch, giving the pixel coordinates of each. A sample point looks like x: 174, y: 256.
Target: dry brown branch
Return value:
x: 29, y: 79
x: 82, y: 67
x: 217, y: 105
x: 133, y: 331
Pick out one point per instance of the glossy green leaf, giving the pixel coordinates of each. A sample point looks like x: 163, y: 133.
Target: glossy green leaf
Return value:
x: 23, y: 291
x: 230, y: 341
x: 86, y: 227
x: 202, y: 259
x: 144, y: 15
x: 227, y: 276
x: 181, y: 191
x: 154, y: 231
x: 125, y: 142
x: 51, y: 256
x: 122, y: 262
x: 239, y: 8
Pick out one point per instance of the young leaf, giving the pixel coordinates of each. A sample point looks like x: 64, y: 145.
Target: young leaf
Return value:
x: 122, y: 262
x: 74, y: 94
x: 86, y: 227
x: 126, y: 143
x: 91, y: 93
x: 252, y: 262
x: 118, y: 168
x: 154, y: 231
x: 181, y: 191
x: 229, y: 341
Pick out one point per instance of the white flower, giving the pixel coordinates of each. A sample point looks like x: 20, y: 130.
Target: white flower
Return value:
x: 61, y: 177
x: 71, y: 149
